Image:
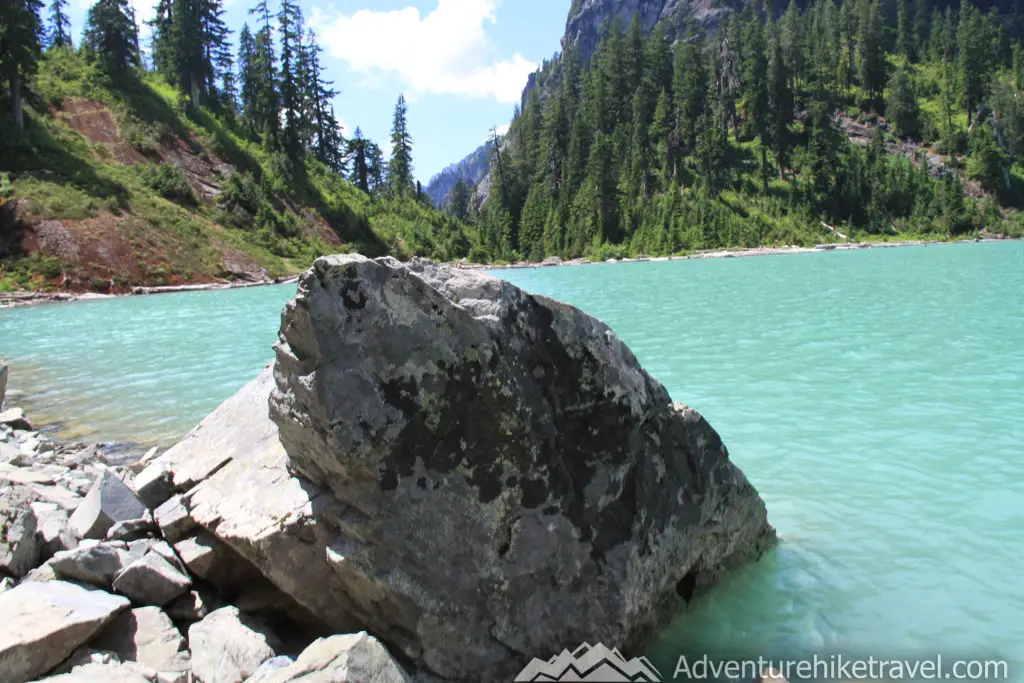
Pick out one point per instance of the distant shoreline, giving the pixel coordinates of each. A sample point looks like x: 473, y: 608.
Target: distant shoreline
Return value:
x: 31, y: 298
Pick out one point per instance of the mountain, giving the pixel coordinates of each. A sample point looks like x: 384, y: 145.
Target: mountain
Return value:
x: 113, y: 180
x: 588, y: 18
x: 471, y: 170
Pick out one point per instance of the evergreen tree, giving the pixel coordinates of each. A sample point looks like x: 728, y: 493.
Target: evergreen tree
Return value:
x: 325, y: 142
x: 871, y: 51
x: 906, y: 40
x: 902, y: 107
x: 111, y: 36
x: 246, y: 74
x: 691, y: 90
x: 780, y: 104
x: 755, y: 88
x: 60, y: 24
x: 359, y: 154
x: 792, y: 39
x: 1018, y: 66
x: 459, y: 204
x: 977, y: 58
x: 400, y: 168
x: 290, y: 26
x: 20, y: 47
x: 260, y: 80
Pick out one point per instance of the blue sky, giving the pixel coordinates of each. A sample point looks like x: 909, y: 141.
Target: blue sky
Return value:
x: 462, y: 64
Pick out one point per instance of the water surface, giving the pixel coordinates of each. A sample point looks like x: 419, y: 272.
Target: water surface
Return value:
x: 875, y: 398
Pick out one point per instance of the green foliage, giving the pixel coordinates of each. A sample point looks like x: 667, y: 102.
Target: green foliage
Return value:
x: 902, y: 107
x: 170, y: 182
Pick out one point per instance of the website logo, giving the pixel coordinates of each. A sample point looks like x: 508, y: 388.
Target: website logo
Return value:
x: 594, y: 663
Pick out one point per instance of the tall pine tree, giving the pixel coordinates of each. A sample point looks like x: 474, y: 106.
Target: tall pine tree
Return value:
x: 111, y: 36
x: 400, y: 168
x: 60, y: 24
x: 20, y: 47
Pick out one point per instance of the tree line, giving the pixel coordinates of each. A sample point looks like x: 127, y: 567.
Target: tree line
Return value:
x: 749, y: 136
x: 270, y: 81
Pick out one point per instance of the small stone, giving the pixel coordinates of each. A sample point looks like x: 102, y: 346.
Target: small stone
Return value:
x: 53, y: 528
x: 143, y: 462
x: 154, y: 485
x: 6, y: 584
x: 189, y: 607
x: 351, y: 658
x: 15, y: 419
x: 174, y: 520
x: 3, y: 383
x: 19, y: 544
x: 43, y: 623
x: 151, y: 581
x: 106, y: 672
x: 164, y: 550
x: 228, y: 646
x: 108, y: 502
x: 96, y: 565
x: 132, y: 529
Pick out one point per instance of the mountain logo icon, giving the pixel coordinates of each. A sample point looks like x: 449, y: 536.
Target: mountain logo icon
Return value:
x: 594, y: 663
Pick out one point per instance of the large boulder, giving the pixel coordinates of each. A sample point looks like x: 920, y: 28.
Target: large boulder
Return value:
x: 512, y: 481
x: 43, y: 623
x: 109, y: 501
x: 474, y: 475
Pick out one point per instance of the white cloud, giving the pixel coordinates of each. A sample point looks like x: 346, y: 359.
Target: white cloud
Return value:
x: 444, y: 52
x: 504, y: 128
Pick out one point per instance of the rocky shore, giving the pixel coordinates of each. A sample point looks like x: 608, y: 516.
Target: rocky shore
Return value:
x: 440, y: 478
x: 25, y: 298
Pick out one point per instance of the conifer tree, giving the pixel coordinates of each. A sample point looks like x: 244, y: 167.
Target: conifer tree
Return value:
x: 780, y: 104
x: 902, y: 107
x: 977, y: 59
x: 691, y: 89
x: 459, y: 204
x: 260, y: 79
x: 359, y: 155
x: 20, y: 48
x: 755, y: 87
x: 871, y: 51
x: 111, y: 36
x: 906, y: 41
x: 60, y: 24
x: 400, y: 168
x: 291, y: 31
x: 792, y: 38
x: 325, y: 141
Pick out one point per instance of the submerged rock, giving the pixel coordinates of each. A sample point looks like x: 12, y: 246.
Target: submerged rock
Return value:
x: 15, y: 419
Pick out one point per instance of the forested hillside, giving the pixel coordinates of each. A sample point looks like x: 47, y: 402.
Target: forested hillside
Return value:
x: 223, y: 160
x: 868, y: 118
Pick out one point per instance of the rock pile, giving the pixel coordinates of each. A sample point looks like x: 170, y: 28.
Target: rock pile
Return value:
x: 97, y: 587
x: 475, y: 476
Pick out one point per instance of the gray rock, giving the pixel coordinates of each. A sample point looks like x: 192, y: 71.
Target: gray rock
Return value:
x: 269, y: 667
x: 132, y: 529
x: 353, y: 658
x: 146, y: 635
x: 154, y: 485
x: 174, y: 520
x: 228, y: 646
x: 509, y: 480
x: 85, y: 655
x: 6, y: 584
x: 106, y: 672
x: 189, y: 607
x: 53, y: 528
x: 151, y: 581
x: 43, y: 623
x: 143, y: 462
x: 15, y: 419
x: 213, y: 561
x: 3, y: 383
x: 96, y: 564
x: 109, y: 501
x: 20, y: 546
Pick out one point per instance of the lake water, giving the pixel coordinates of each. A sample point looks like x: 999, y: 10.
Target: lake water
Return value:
x: 875, y: 398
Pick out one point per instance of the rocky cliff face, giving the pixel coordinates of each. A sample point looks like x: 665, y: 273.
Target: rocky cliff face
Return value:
x: 588, y: 17
x: 471, y: 170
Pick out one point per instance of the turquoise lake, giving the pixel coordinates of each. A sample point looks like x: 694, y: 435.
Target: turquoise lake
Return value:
x: 875, y: 398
